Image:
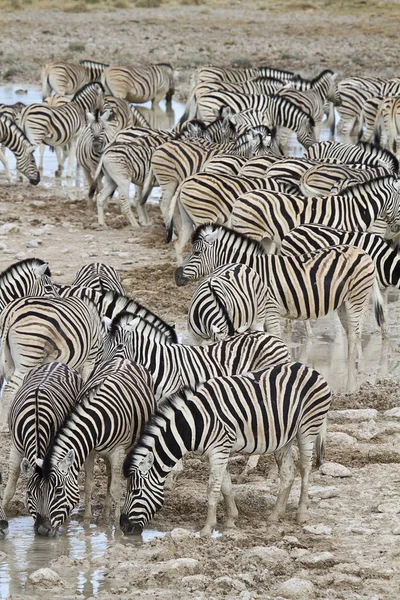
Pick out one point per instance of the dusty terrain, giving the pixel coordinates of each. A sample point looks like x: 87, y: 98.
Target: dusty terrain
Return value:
x: 355, y: 555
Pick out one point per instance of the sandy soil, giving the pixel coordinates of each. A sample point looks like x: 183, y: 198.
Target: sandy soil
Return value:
x: 355, y: 556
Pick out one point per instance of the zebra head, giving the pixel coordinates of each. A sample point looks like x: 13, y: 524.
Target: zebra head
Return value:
x: 145, y: 491
x: 98, y: 122
x: 201, y: 260
x: 26, y: 164
x: 3, y: 518
x: 391, y: 209
x: 52, y: 492
x: 332, y: 92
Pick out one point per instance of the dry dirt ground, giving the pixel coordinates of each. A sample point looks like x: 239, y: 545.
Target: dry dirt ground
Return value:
x: 355, y: 554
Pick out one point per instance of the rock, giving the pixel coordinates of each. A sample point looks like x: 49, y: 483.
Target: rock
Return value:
x: 362, y: 530
x: 324, y: 559
x: 324, y: 492
x: 270, y: 557
x: 334, y: 470
x: 291, y: 540
x: 33, y: 243
x: 8, y: 228
x: 2, y: 247
x: 297, y: 588
x: 389, y: 507
x: 393, y: 413
x: 46, y: 578
x: 296, y: 553
x: 180, y: 534
x: 228, y: 583
x: 319, y: 529
x: 352, y: 414
x: 338, y: 438
x: 367, y: 431
x: 38, y: 203
x: 195, y: 582
x: 396, y: 530
x: 20, y: 256
x: 181, y: 566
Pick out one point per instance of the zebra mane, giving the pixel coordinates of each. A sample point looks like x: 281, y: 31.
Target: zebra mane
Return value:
x: 361, y: 184
x: 283, y: 100
x: 87, y: 86
x: 15, y: 268
x: 264, y: 78
x: 159, y: 326
x: 87, y: 63
x: 14, y: 128
x: 168, y: 65
x: 319, y: 76
x: 232, y: 234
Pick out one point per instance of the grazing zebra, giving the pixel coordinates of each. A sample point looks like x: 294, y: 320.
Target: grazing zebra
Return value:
x: 3, y: 518
x: 312, y: 101
x: 100, y: 277
x: 253, y: 413
x: 36, y: 330
x: 269, y: 216
x: 110, y: 414
x: 140, y: 84
x: 174, y: 366
x: 67, y: 78
x: 326, y: 179
x: 41, y: 405
x: 362, y: 153
x: 21, y: 279
x: 388, y: 117
x: 58, y: 126
x: 230, y: 300
x: 13, y: 138
x: 301, y: 287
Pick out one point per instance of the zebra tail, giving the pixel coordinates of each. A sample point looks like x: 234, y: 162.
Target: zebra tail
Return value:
x: 3, y: 343
x: 96, y: 179
x: 190, y: 108
x: 378, y: 303
x: 170, y: 217
x: 319, y: 445
x: 46, y: 87
x: 378, y: 129
x: 360, y: 130
x: 147, y: 187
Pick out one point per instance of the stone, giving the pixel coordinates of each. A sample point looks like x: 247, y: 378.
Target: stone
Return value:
x: 46, y: 578
x: 297, y: 588
x: 270, y: 557
x: 228, y: 583
x: 20, y: 256
x: 393, y: 413
x: 297, y: 553
x: 291, y: 540
x: 8, y: 228
x: 396, y: 530
x: 352, y: 414
x: 339, y: 438
x: 195, y: 582
x: 38, y: 203
x: 324, y: 492
x: 367, y: 431
x: 319, y: 529
x: 392, y: 508
x: 362, y: 530
x: 182, y: 566
x: 33, y: 243
x: 180, y: 534
x: 2, y: 246
x: 334, y: 470
x: 324, y: 559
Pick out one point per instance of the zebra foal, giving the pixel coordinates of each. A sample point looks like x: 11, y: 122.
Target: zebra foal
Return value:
x: 40, y: 407
x: 255, y: 413
x: 111, y: 411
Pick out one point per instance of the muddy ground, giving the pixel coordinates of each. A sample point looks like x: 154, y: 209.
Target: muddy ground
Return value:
x: 356, y: 554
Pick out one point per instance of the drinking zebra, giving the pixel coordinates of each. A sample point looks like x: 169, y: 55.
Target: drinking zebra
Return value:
x: 230, y: 300
x: 254, y: 413
x: 110, y: 414
x: 174, y: 366
x: 40, y: 407
x: 140, y: 84
x: 13, y: 138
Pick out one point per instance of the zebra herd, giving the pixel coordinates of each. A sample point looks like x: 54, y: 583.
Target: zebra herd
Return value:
x: 89, y: 370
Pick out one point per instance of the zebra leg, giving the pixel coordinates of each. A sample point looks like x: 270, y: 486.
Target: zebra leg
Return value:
x: 4, y: 160
x: 284, y: 460
x: 144, y: 220
x: 123, y: 190
x: 8, y: 395
x: 306, y: 444
x: 384, y: 326
x: 60, y: 161
x: 251, y: 464
x: 89, y: 484
x: 167, y: 194
x: 231, y: 508
x: 108, y: 190
x: 184, y: 236
x: 176, y: 470
x: 116, y: 458
x: 351, y: 348
x: 71, y: 157
x: 42, y: 148
x: 309, y: 331
x: 218, y: 466
x: 13, y: 474
x: 108, y: 501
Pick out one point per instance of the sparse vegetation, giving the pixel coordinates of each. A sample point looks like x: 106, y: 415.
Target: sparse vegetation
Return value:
x: 76, y: 47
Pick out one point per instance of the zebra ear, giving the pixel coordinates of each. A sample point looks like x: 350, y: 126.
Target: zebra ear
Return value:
x: 132, y: 324
x: 65, y: 464
x: 39, y: 462
x: 106, y: 115
x: 210, y: 238
x: 146, y: 463
x: 40, y: 270
x: 107, y: 323
x: 26, y: 469
x: 334, y: 76
x: 90, y: 118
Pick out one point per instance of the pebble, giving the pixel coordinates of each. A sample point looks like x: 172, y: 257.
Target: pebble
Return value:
x: 319, y: 529
x: 324, y: 492
x: 38, y: 203
x: 20, y: 256
x: 2, y: 246
x: 339, y: 438
x: 186, y: 565
x: 326, y: 559
x: 352, y: 414
x: 393, y: 412
x: 46, y: 578
x: 297, y: 588
x: 334, y: 470
x: 389, y: 507
x: 180, y: 534
x: 396, y: 530
x: 8, y: 228
x: 367, y: 431
x: 33, y: 243
x: 228, y: 583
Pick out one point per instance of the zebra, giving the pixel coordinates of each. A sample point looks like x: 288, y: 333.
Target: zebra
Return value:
x: 258, y: 165
x: 366, y: 122
x: 253, y: 413
x: 11, y: 112
x: 324, y: 179
x: 111, y: 411
x: 59, y: 126
x: 290, y: 170
x: 140, y: 84
x: 230, y: 300
x: 269, y: 216
x: 389, y: 117
x: 67, y: 78
x: 321, y: 89
x: 301, y: 287
x: 174, y: 366
x: 13, y: 138
x: 3, y: 518
x: 21, y: 279
x: 35, y: 330
x: 41, y: 405
x: 100, y: 277
x: 92, y: 141
x: 54, y: 101
x: 362, y: 152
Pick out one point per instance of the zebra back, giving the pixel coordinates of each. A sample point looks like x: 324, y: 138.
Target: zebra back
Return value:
x: 20, y: 279
x: 94, y: 69
x: 100, y: 277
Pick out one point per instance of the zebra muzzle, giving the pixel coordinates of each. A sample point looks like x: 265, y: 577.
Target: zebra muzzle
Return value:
x: 36, y: 180
x: 44, y: 527
x: 3, y: 529
x: 180, y: 279
x: 129, y: 528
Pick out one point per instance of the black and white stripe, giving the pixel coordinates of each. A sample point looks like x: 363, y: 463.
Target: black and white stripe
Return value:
x: 255, y: 413
x: 100, y: 277
x: 362, y: 153
x: 111, y: 411
x: 13, y: 138
x: 22, y: 279
x: 140, y: 84
x: 3, y: 518
x: 67, y: 78
x: 326, y: 179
